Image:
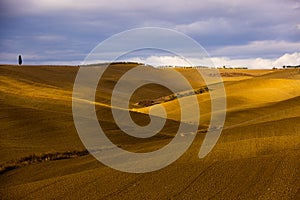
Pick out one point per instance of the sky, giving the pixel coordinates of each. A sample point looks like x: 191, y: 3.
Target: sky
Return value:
x: 254, y: 34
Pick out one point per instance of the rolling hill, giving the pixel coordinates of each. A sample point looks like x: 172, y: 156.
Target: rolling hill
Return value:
x: 256, y: 157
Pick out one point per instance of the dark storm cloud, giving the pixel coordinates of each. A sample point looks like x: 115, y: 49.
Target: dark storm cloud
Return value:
x: 49, y: 30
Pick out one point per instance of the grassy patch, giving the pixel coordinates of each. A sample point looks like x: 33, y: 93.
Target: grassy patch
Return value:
x: 37, y: 158
x: 146, y: 103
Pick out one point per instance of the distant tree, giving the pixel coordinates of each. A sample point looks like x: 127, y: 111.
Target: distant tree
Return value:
x: 20, y: 60
x: 224, y: 67
x: 283, y: 66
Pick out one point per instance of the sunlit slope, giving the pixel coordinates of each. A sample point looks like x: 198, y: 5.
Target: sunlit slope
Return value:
x: 228, y: 75
x: 256, y: 157
x: 37, y: 101
x: 258, y: 91
x: 275, y: 87
x: 36, y: 108
x: 36, y: 112
x: 263, y: 113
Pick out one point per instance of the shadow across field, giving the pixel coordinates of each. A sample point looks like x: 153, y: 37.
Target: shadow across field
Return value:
x: 256, y: 157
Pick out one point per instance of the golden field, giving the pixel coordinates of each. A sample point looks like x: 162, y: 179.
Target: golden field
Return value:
x: 256, y: 157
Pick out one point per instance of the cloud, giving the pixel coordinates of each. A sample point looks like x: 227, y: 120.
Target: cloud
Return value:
x: 254, y: 63
x: 226, y: 28
x: 251, y: 63
x: 288, y: 59
x: 257, y: 48
x: 160, y: 61
x: 50, y: 38
x: 204, y: 27
x: 259, y: 63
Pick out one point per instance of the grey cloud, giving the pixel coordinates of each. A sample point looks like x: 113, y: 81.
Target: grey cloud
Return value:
x: 258, y: 49
x: 221, y: 26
